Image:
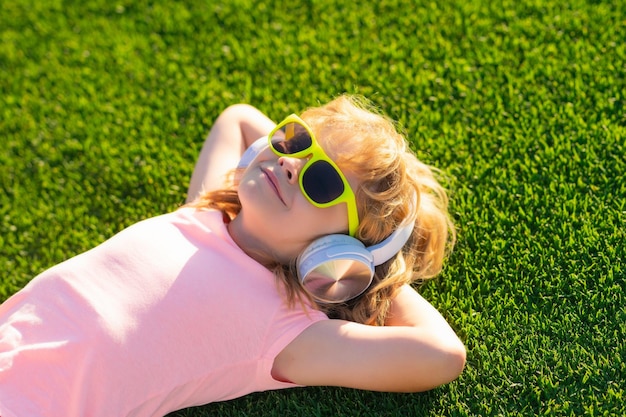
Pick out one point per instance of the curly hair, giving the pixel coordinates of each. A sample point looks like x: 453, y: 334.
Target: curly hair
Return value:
x: 394, y: 187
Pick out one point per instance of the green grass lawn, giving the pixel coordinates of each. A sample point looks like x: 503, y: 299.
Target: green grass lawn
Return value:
x: 104, y: 106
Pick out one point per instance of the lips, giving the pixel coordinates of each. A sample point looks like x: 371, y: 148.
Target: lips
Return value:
x: 273, y: 181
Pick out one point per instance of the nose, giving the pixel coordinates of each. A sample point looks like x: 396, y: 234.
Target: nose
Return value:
x: 291, y: 167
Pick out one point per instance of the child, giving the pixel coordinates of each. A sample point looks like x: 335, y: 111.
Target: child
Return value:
x: 293, y: 271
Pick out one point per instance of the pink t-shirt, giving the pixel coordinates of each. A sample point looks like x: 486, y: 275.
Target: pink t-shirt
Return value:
x: 167, y: 314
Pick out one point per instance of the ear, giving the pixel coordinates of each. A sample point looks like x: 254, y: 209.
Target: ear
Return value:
x: 252, y: 151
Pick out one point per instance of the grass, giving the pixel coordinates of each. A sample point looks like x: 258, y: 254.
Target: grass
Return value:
x: 104, y: 106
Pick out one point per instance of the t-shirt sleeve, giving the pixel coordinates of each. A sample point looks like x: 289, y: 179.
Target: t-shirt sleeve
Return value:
x: 287, y: 326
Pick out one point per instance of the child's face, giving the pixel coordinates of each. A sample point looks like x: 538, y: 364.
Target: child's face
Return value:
x: 276, y: 214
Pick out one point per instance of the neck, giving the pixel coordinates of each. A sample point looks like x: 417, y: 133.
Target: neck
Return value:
x: 251, y: 245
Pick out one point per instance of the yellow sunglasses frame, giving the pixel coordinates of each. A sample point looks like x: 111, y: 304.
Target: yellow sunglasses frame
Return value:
x: 316, y: 153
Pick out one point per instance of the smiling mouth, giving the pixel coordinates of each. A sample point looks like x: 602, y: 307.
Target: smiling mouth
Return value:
x: 274, y: 183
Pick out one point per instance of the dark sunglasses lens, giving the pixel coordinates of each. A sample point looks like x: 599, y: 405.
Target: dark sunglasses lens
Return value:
x: 291, y: 138
x: 322, y: 182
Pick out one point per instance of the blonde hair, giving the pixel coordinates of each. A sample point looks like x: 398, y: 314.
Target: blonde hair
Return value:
x: 395, y: 187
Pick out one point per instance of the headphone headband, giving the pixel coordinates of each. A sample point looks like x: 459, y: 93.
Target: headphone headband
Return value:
x: 252, y: 151
x: 385, y: 250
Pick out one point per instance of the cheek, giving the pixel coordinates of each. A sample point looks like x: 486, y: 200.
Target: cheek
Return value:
x: 245, y: 189
x: 324, y: 221
x: 251, y: 183
x: 250, y: 194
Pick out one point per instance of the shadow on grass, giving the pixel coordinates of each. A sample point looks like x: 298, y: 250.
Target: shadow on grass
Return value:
x: 318, y: 401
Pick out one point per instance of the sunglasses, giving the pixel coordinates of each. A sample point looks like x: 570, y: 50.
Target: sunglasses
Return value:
x: 321, y: 180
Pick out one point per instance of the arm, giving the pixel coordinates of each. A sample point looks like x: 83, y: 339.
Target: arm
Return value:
x: 417, y: 351
x: 411, y: 309
x: 234, y: 130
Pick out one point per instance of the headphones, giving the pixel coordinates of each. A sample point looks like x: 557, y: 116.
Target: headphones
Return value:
x: 337, y: 268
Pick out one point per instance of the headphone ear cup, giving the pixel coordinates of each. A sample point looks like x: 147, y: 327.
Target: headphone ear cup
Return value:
x: 335, y: 268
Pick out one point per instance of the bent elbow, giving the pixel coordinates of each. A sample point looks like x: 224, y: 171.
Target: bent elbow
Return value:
x: 455, y: 358
x: 446, y: 366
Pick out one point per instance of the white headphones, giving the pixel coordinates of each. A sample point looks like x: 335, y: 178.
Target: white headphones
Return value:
x: 337, y: 268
